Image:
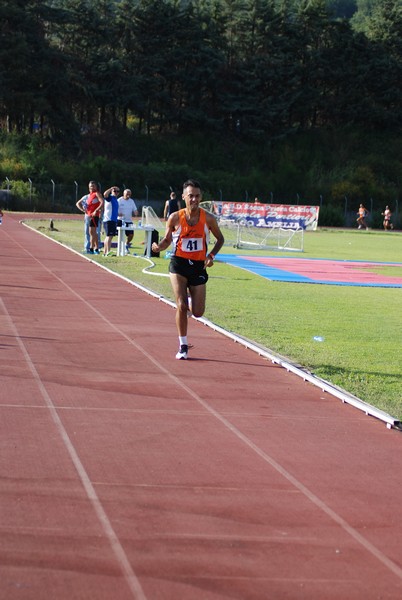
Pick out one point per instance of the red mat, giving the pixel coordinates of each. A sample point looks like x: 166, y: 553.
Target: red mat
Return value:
x: 317, y: 270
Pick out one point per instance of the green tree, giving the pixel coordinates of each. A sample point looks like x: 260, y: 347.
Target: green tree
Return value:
x: 126, y: 87
x: 385, y: 25
x: 384, y: 86
x: 155, y: 25
x: 88, y: 39
x: 362, y: 15
x: 342, y: 9
x: 31, y: 69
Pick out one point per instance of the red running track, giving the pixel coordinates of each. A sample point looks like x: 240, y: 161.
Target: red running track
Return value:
x: 126, y: 474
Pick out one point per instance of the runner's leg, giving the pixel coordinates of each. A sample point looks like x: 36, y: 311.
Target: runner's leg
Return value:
x: 179, y: 286
x: 198, y: 295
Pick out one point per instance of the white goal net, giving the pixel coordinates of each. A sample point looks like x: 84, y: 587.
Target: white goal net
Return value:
x: 240, y: 234
x: 149, y: 217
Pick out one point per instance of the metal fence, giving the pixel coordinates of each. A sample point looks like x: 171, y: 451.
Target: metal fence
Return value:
x: 61, y: 198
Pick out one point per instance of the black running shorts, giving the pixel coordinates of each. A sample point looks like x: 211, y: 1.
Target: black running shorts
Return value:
x: 110, y: 228
x: 193, y: 270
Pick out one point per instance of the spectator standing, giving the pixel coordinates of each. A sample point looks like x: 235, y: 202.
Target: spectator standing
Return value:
x: 82, y: 204
x: 127, y: 210
x: 110, y: 217
x: 172, y: 205
x: 92, y: 207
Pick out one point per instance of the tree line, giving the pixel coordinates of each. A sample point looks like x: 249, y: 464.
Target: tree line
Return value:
x: 251, y: 68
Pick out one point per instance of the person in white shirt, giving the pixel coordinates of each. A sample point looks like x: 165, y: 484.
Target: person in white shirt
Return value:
x: 127, y: 210
x: 387, y: 214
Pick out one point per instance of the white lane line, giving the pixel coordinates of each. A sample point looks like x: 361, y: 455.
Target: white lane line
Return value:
x: 325, y: 386
x: 351, y: 531
x: 366, y: 544
x: 117, y: 548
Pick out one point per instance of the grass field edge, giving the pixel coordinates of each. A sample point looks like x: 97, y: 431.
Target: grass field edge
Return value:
x: 284, y: 362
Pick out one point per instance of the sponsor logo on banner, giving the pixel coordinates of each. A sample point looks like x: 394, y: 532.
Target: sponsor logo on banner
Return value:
x: 286, y: 216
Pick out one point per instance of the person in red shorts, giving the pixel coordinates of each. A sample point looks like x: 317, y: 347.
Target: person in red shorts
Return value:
x: 188, y: 229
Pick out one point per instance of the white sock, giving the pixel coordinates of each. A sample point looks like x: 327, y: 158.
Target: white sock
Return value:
x: 183, y: 340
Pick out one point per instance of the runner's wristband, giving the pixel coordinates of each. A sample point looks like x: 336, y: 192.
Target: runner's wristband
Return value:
x: 211, y: 255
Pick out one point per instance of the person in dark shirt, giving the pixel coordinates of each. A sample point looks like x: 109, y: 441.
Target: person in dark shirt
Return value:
x: 172, y: 205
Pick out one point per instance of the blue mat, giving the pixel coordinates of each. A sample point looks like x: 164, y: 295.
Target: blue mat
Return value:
x: 322, y: 271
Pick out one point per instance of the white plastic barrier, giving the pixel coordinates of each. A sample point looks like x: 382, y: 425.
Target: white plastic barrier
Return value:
x: 121, y: 238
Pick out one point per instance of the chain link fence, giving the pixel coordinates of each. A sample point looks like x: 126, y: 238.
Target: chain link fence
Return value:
x: 56, y: 197
x: 61, y: 198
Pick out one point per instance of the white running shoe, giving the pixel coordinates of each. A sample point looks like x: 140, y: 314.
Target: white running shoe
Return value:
x: 182, y: 353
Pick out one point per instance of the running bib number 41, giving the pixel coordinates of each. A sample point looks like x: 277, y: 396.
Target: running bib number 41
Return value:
x: 192, y: 244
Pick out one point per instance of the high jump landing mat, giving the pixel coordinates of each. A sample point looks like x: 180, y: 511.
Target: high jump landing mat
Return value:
x: 317, y: 270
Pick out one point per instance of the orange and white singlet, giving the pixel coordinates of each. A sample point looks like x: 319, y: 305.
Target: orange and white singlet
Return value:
x: 191, y: 241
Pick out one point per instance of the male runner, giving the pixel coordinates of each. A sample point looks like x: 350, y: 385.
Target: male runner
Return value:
x: 189, y: 229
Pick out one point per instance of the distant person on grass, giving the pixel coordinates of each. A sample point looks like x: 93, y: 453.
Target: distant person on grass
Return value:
x: 188, y: 229
x: 110, y: 218
x: 172, y: 205
x: 92, y: 205
x: 127, y: 210
x: 387, y: 214
x: 361, y: 219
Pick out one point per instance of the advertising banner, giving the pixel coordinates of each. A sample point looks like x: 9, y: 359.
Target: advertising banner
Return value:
x: 286, y: 216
